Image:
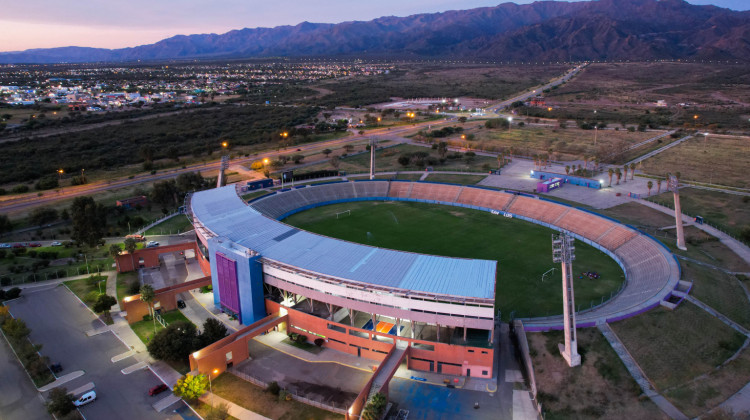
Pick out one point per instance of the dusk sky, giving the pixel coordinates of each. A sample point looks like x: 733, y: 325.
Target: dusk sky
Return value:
x: 116, y: 24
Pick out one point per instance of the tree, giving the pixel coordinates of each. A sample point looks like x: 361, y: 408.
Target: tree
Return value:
x: 164, y: 193
x: 130, y: 246
x: 650, y: 185
x: 191, y: 387
x: 89, y: 220
x: 104, y: 303
x: 147, y: 296
x: 632, y: 171
x: 442, y: 149
x: 174, y: 343
x: 348, y: 148
x: 213, y: 331
x: 42, y: 216
x: 114, y: 250
x: 404, y: 159
x: 375, y: 407
x: 326, y: 152
x: 335, y: 162
x: 16, y: 329
x: 624, y: 168
x: 658, y: 186
x: 60, y: 402
x: 618, y: 172
x: 190, y: 181
x: 5, y: 224
x: 297, y: 158
x: 611, y: 172
x: 567, y: 169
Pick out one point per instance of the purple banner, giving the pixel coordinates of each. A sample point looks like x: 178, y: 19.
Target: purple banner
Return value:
x: 229, y: 295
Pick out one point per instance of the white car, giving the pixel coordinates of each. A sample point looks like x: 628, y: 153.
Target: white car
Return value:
x: 152, y: 244
x: 56, y: 243
x: 85, y: 399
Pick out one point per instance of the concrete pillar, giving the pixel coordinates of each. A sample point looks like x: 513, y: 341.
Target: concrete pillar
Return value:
x: 374, y: 321
x: 678, y: 221
x: 464, y: 334
x: 438, y: 332
x: 569, y: 350
x: 412, y: 324
x: 398, y: 327
x: 351, y: 317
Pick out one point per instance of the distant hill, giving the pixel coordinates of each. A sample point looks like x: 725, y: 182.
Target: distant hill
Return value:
x: 545, y: 30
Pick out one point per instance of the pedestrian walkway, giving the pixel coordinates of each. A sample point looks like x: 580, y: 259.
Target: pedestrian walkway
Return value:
x: 523, y: 406
x: 739, y: 328
x: 635, y: 371
x: 62, y: 380
x: 742, y: 250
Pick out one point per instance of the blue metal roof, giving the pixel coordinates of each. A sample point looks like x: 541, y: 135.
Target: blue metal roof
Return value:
x: 223, y: 212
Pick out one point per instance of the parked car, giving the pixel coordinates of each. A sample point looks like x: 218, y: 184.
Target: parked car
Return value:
x: 35, y: 244
x: 85, y: 399
x: 55, y: 368
x: 6, y: 245
x: 181, y: 303
x: 152, y: 244
x: 56, y: 243
x: 19, y: 245
x: 158, y: 389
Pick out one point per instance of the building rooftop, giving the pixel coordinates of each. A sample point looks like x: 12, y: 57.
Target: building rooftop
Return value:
x: 223, y: 212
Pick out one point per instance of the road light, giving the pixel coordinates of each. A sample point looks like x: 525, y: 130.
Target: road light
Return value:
x: 224, y: 144
x: 210, y: 386
x: 510, y: 121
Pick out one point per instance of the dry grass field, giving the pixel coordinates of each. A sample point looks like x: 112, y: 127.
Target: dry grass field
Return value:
x: 715, y: 159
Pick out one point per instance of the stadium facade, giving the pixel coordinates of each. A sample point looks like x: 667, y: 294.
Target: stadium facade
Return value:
x: 359, y: 299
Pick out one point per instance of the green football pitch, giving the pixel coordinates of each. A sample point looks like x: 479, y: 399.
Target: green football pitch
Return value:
x: 523, y: 250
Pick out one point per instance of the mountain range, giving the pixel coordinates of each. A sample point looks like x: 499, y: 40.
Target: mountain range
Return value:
x: 543, y: 31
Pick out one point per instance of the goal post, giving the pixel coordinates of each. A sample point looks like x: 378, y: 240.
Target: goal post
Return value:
x: 343, y: 213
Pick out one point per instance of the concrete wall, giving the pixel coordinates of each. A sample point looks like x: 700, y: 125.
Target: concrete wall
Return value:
x: 150, y: 256
x: 166, y: 299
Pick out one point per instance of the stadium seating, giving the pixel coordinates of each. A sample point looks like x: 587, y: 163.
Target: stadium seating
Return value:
x: 651, y: 272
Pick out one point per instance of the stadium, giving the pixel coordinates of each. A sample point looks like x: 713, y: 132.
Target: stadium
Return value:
x: 438, y: 312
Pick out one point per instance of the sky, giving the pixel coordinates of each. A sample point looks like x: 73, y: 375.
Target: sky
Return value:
x: 118, y: 24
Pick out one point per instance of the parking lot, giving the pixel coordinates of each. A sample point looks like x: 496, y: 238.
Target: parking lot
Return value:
x: 59, y: 322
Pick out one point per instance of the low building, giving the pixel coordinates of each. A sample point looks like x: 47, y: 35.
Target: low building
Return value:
x: 131, y: 202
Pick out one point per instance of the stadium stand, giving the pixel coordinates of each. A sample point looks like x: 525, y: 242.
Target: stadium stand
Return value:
x: 651, y: 272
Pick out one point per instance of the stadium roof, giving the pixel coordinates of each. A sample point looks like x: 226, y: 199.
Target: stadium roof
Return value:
x: 224, y: 213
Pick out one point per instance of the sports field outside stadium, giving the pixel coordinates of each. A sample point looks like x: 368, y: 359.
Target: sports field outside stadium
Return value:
x: 523, y: 250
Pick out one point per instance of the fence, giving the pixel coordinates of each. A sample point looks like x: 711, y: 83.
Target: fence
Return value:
x: 148, y: 226
x: 293, y: 392
x: 523, y: 345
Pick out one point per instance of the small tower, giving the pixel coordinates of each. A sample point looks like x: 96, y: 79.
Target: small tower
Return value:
x: 563, y: 251
x: 221, y: 180
x: 372, y: 158
x: 674, y: 184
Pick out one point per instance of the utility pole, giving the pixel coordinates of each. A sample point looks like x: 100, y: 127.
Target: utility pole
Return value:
x: 372, y: 158
x: 674, y: 184
x: 563, y: 251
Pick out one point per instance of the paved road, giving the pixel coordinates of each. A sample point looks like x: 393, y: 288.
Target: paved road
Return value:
x: 19, y: 400
x: 526, y: 95
x: 59, y: 321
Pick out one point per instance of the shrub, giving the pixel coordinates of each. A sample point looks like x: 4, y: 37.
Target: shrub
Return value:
x: 319, y: 342
x: 301, y: 338
x: 274, y: 388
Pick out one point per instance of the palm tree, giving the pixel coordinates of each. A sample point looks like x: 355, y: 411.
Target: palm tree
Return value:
x: 658, y: 186
x: 632, y: 171
x: 650, y: 185
x: 567, y: 169
x: 611, y: 172
x: 618, y: 172
x: 130, y: 246
x: 147, y: 296
x: 626, y: 172
x: 596, y: 163
x: 586, y: 162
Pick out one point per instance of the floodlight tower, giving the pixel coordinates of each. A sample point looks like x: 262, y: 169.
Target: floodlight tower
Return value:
x: 674, y: 184
x: 563, y: 251
x: 372, y: 158
x: 221, y: 179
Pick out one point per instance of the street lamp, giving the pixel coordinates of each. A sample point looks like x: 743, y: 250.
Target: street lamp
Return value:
x: 210, y: 386
x: 510, y: 121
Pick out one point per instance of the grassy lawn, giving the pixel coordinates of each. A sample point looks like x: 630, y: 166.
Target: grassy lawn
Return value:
x: 719, y: 159
x: 88, y: 289
x: 522, y: 249
x: 669, y: 347
x: 729, y: 212
x: 204, y: 410
x: 266, y: 404
x: 386, y: 160
x: 145, y: 329
x: 455, y: 179
x: 566, y: 144
x: 124, y: 281
x: 173, y: 225
x: 600, y: 388
x: 718, y: 290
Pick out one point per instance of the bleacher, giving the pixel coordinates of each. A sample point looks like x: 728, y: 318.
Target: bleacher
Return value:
x: 615, y: 237
x: 400, y: 189
x: 371, y: 188
x: 436, y: 192
x: 589, y: 226
x: 484, y: 198
x: 537, y: 209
